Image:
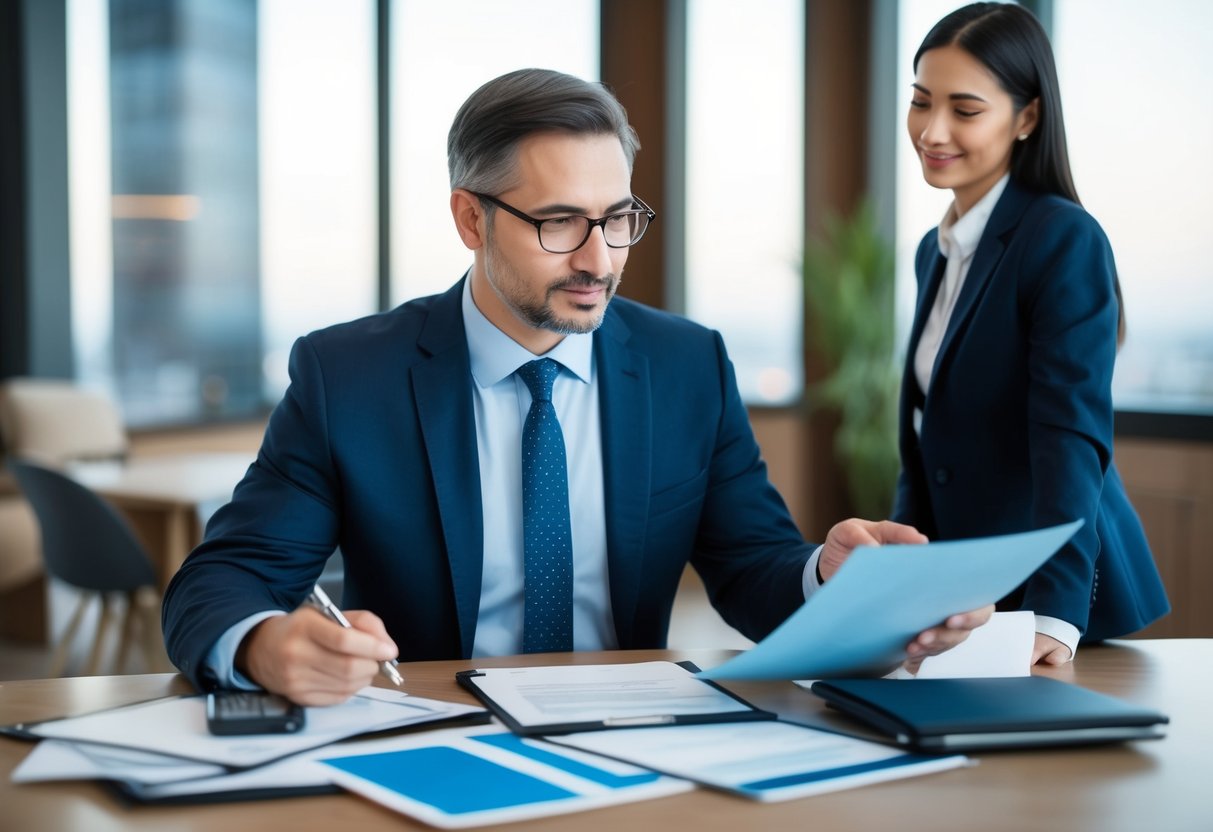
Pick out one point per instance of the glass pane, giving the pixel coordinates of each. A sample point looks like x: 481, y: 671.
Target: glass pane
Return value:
x: 441, y: 52
x: 92, y: 257
x: 318, y: 171
x: 745, y: 173
x: 221, y: 178
x: 1134, y: 83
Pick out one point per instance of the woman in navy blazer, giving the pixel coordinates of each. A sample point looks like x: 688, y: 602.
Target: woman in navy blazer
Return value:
x: 1006, y: 407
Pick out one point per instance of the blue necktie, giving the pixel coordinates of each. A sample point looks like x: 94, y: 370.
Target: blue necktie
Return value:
x: 547, y: 624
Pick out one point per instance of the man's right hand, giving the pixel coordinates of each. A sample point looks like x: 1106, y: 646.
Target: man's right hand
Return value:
x: 314, y: 661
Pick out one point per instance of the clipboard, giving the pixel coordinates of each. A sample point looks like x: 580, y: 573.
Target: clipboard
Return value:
x: 539, y: 701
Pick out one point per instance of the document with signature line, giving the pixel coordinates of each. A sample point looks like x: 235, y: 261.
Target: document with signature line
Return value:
x: 559, y: 700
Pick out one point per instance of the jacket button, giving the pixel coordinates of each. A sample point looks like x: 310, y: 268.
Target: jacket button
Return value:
x: 943, y: 476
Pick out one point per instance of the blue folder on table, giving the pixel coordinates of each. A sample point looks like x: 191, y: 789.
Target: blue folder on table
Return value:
x: 970, y: 714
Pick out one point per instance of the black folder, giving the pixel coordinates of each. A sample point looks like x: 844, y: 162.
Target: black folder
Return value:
x: 970, y: 714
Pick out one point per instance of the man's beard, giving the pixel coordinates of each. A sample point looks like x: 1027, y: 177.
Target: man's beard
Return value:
x: 539, y: 314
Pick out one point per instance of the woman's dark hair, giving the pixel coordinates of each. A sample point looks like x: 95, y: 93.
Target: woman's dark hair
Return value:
x: 1010, y: 42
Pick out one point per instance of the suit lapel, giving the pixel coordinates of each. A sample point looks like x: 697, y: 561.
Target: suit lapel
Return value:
x: 444, y: 407
x: 625, y: 403
x: 927, y: 290
x: 993, y: 245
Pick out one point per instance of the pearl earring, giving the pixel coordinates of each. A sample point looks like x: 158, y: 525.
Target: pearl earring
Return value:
x: 1023, y: 137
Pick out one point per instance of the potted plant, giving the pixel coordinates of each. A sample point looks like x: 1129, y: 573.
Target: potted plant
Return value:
x: 848, y: 279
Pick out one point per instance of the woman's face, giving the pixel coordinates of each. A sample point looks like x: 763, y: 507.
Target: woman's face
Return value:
x: 963, y: 125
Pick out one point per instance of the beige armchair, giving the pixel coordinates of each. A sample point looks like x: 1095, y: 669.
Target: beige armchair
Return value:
x: 56, y: 421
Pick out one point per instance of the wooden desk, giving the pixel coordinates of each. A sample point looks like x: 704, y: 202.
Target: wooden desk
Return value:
x: 161, y: 497
x: 1154, y: 785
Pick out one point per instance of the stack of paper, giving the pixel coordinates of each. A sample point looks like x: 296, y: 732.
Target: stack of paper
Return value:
x: 162, y: 749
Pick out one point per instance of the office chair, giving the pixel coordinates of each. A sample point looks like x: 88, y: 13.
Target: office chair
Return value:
x: 54, y: 421
x: 88, y: 545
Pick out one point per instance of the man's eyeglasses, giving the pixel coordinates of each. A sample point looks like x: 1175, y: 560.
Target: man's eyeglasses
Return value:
x: 562, y: 235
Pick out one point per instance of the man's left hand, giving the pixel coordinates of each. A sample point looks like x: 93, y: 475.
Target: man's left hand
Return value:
x: 936, y: 640
x: 848, y: 534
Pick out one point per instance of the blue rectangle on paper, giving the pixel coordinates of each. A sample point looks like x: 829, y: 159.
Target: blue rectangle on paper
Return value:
x: 450, y: 780
x: 517, y: 745
x: 832, y: 774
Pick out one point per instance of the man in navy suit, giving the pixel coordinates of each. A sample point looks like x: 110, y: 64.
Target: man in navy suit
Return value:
x: 399, y: 441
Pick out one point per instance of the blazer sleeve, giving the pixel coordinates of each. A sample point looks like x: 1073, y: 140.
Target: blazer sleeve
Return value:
x: 1068, y: 299
x: 747, y: 547
x: 265, y: 549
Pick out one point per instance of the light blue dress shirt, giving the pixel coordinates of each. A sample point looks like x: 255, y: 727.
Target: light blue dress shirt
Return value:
x: 501, y: 400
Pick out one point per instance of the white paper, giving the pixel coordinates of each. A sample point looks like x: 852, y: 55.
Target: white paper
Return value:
x: 176, y: 726
x: 1000, y: 647
x: 477, y: 776
x: 291, y: 773
x: 602, y: 693
x: 63, y: 760
x: 882, y: 597
x: 767, y: 761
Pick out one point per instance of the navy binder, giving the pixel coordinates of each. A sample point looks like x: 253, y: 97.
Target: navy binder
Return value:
x: 970, y: 714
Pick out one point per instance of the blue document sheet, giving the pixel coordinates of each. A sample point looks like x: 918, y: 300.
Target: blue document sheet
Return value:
x: 861, y: 620
x: 474, y: 777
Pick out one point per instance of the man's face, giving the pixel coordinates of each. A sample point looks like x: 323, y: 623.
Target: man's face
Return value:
x: 535, y: 296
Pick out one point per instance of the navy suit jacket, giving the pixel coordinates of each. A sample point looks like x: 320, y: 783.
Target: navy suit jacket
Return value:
x: 1017, y: 426
x: 373, y: 448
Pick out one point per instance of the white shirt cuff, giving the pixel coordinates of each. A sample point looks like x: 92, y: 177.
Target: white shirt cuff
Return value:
x: 1063, y: 631
x: 808, y: 580
x: 221, y: 661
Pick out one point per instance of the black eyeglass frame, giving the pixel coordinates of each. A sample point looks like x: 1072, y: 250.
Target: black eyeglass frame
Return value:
x: 589, y: 229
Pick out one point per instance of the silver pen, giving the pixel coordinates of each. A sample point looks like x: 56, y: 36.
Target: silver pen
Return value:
x: 321, y: 601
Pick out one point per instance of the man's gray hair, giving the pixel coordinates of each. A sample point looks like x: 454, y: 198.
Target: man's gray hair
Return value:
x: 482, y: 147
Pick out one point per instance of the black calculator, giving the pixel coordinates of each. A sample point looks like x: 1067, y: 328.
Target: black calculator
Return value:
x: 230, y: 713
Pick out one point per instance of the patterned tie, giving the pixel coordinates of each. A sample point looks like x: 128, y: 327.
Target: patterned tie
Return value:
x: 547, y: 540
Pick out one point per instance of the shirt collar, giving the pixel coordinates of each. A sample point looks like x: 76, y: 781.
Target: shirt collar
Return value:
x: 962, y: 235
x: 495, y: 355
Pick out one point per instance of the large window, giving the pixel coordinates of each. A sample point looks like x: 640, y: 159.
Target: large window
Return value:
x: 745, y: 187
x: 224, y: 179
x: 223, y: 189
x: 1134, y: 80
x: 222, y: 192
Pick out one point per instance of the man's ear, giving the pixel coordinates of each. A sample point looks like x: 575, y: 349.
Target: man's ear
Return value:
x: 469, y: 218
